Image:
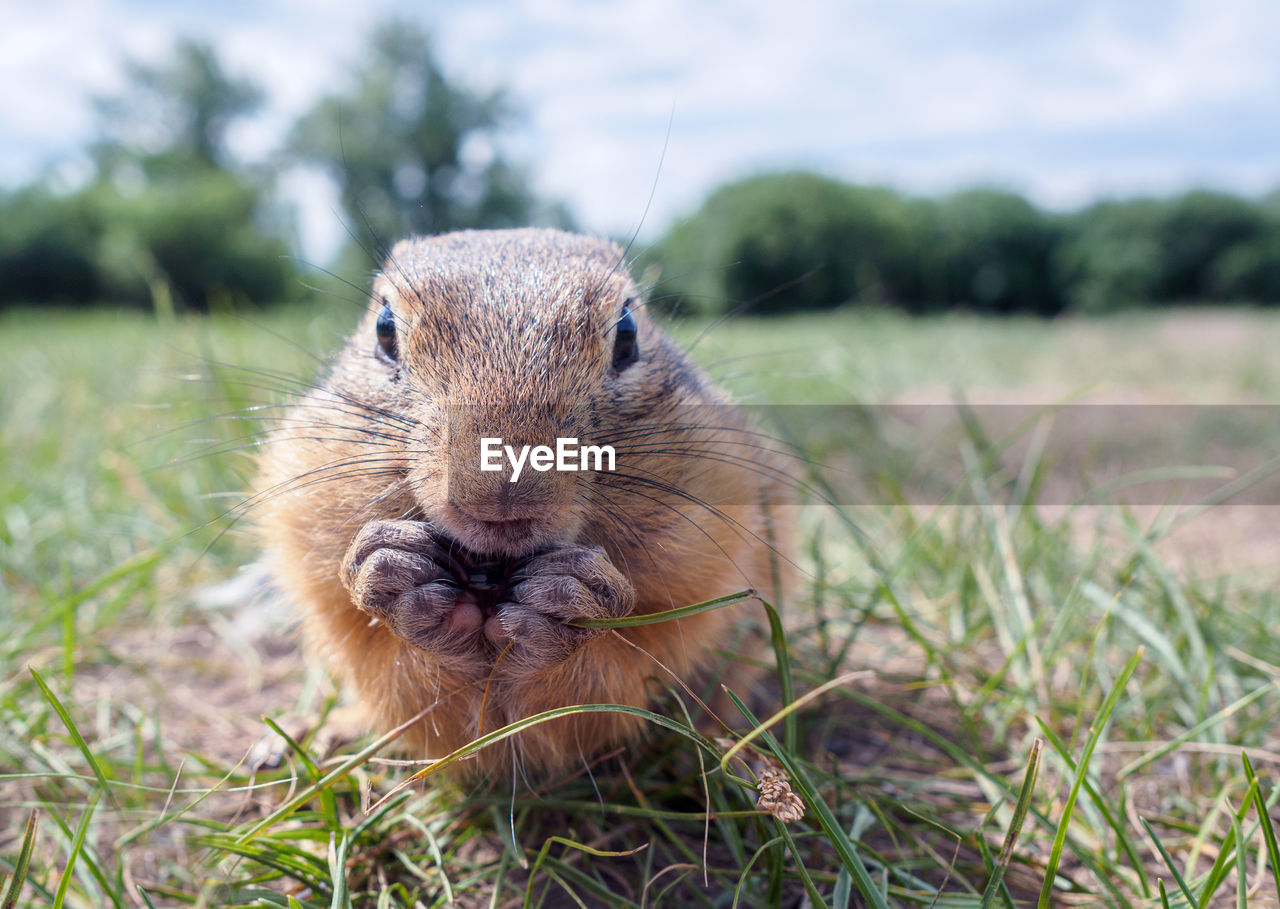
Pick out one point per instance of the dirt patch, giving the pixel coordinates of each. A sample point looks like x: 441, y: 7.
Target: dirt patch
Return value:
x: 1240, y: 541
x: 204, y: 689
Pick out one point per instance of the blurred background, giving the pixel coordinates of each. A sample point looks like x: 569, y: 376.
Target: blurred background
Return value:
x: 990, y: 156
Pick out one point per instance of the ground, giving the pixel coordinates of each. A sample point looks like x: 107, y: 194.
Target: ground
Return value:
x: 988, y: 620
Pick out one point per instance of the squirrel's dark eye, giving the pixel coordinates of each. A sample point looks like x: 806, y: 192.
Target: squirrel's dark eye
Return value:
x: 386, y: 329
x: 625, y: 349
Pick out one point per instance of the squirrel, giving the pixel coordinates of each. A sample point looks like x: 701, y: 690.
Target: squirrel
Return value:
x: 430, y: 581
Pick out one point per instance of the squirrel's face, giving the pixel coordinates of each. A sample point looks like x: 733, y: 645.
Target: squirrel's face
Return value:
x: 528, y: 337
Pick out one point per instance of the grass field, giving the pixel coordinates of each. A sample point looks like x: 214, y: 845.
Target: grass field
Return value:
x: 1056, y: 705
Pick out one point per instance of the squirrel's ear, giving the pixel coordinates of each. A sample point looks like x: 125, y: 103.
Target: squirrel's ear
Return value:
x: 626, y: 349
x: 386, y: 331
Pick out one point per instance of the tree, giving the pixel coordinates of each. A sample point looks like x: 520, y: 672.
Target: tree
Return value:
x: 790, y: 241
x: 1199, y: 228
x: 1112, y: 257
x: 994, y: 252
x: 180, y: 109
x: 48, y: 248
x: 411, y: 150
x: 1194, y: 247
x: 1248, y: 271
x: 183, y: 220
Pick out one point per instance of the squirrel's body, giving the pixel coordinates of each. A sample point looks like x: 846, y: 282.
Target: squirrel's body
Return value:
x: 424, y: 581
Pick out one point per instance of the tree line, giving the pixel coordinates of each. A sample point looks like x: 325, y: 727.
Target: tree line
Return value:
x: 801, y: 241
x: 169, y: 218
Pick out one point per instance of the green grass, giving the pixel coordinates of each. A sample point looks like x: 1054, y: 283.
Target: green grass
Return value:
x: 1054, y: 709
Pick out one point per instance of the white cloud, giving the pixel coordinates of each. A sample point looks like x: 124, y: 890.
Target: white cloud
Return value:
x: 1063, y: 100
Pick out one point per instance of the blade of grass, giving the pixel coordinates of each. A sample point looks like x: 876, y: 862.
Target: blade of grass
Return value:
x: 992, y: 891
x: 541, y: 858
x: 1082, y: 767
x: 77, y: 844
x: 565, y: 874
x: 989, y: 862
x: 98, y: 771
x: 845, y: 848
x: 1113, y: 818
x: 746, y: 868
x: 777, y: 639
x: 337, y: 857
x: 433, y: 848
x: 1135, y: 765
x: 1168, y: 861
x: 815, y: 898
x: 506, y: 732
x: 1242, y: 872
x: 23, y: 863
x: 668, y: 615
x: 328, y: 804
x: 789, y: 709
x: 299, y: 864
x: 112, y: 890
x: 1264, y: 818
x: 166, y: 817
x: 1218, y: 873
x: 143, y: 561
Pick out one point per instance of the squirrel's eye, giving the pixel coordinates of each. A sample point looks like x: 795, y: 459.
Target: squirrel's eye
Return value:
x: 386, y: 330
x: 625, y: 349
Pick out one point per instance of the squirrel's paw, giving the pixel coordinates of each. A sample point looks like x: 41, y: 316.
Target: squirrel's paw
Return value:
x: 558, y: 587
x: 392, y: 572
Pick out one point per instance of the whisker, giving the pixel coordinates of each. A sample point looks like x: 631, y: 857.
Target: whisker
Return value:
x: 747, y: 304
x: 702, y: 530
x: 671, y: 489
x: 597, y: 496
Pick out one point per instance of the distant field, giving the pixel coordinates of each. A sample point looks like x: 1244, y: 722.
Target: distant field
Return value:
x: 988, y: 626
x: 1193, y: 355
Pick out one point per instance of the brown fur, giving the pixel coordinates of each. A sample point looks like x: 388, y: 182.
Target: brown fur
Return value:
x: 510, y: 333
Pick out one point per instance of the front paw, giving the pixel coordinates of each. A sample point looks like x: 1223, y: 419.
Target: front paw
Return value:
x: 392, y: 571
x: 577, y: 582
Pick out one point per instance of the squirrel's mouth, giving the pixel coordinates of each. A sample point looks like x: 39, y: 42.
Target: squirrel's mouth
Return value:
x: 496, y: 541
x: 487, y: 577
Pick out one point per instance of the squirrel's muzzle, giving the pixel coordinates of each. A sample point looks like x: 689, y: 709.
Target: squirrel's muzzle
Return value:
x: 513, y: 492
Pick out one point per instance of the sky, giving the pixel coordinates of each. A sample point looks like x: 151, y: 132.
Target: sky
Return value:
x: 1063, y: 101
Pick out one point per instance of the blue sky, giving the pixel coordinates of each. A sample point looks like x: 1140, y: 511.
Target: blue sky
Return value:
x: 1065, y: 101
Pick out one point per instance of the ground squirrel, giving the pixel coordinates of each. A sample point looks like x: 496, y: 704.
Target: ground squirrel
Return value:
x: 426, y: 581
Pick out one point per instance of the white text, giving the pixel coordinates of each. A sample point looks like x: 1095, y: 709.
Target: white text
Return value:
x: 567, y: 455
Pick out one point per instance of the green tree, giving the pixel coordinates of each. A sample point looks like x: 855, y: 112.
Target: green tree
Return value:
x: 791, y: 241
x: 411, y: 150
x: 1198, y: 229
x: 1194, y: 247
x: 48, y: 248
x: 1248, y: 271
x: 993, y: 252
x: 1111, y: 255
x: 180, y: 109
x: 185, y: 223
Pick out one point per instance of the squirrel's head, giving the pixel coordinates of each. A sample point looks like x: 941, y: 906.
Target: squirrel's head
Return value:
x: 523, y: 336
